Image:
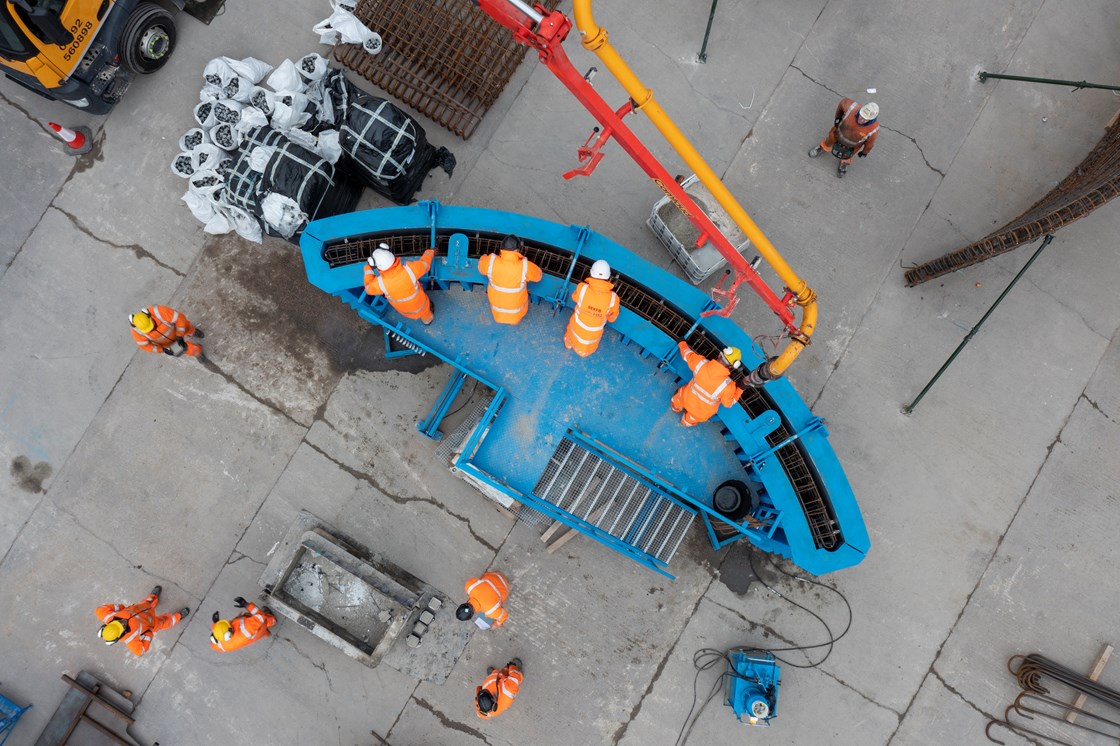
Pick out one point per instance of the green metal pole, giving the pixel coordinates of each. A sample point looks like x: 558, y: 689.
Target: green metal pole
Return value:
x: 707, y: 32
x: 1077, y: 84
x: 968, y: 337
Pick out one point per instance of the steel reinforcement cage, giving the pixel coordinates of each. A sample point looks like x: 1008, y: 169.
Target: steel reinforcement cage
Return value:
x: 829, y: 530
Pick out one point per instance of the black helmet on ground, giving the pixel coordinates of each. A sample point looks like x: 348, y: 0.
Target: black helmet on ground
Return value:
x: 464, y: 612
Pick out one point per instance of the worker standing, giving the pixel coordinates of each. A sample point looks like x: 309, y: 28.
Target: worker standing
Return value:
x: 136, y: 624
x: 596, y: 305
x: 710, y: 386
x: 498, y: 690
x: 400, y: 282
x: 509, y: 273
x: 854, y: 130
x: 485, y: 597
x: 161, y: 329
x: 243, y: 630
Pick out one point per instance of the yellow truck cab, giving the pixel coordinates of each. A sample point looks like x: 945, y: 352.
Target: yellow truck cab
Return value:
x: 84, y: 52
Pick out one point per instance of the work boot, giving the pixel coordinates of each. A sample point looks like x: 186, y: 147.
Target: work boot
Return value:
x: 815, y: 151
x: 268, y: 610
x: 841, y: 170
x: 489, y: 670
x: 516, y: 663
x: 183, y: 612
x: 157, y: 590
x: 198, y: 333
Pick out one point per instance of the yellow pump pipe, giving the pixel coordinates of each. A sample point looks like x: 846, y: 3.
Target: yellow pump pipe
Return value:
x: 595, y: 39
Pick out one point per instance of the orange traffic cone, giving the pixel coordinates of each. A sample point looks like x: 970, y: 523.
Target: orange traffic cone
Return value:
x: 78, y: 140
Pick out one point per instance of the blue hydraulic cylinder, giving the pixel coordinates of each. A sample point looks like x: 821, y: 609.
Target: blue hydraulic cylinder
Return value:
x: 752, y: 687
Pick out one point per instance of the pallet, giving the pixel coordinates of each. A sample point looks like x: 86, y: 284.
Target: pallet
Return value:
x: 1094, y: 674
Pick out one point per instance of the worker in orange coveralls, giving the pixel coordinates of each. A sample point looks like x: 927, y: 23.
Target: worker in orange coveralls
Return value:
x: 400, y: 282
x: 509, y: 273
x: 596, y: 305
x: 498, y: 690
x: 243, y: 630
x: 485, y: 597
x: 162, y: 330
x: 135, y: 624
x: 711, y: 385
x: 853, y: 131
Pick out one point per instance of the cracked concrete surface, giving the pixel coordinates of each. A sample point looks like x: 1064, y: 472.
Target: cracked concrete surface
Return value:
x: 989, y: 508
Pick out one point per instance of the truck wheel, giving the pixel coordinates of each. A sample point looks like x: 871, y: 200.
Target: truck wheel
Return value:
x: 148, y: 39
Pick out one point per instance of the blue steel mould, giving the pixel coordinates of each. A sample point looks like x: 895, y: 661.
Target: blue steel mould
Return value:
x: 782, y: 505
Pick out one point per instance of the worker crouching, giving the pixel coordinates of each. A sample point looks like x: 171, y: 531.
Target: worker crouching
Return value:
x: 162, y: 330
x: 854, y: 131
x: 596, y: 306
x: 243, y: 630
x: 136, y: 625
x: 499, y: 690
x: 485, y: 597
x: 711, y: 385
x: 508, y: 273
x: 400, y: 282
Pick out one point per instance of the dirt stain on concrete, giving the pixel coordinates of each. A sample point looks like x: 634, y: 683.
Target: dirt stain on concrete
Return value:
x: 30, y: 478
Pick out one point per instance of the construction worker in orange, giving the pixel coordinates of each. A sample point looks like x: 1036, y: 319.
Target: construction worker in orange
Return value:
x: 227, y: 635
x: 399, y: 282
x: 162, y: 330
x: 596, y: 305
x: 136, y: 624
x: 485, y: 597
x: 498, y: 690
x: 854, y: 130
x: 710, y: 386
x: 508, y: 273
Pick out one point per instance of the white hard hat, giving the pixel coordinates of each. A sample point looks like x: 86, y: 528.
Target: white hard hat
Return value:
x: 869, y: 111
x: 382, y: 257
x: 600, y: 270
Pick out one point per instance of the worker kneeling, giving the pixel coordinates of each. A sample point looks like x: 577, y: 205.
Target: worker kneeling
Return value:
x: 400, y: 282
x: 498, y: 690
x: 485, y: 597
x: 243, y: 630
x: 136, y: 625
x: 508, y: 273
x: 596, y: 305
x: 710, y: 386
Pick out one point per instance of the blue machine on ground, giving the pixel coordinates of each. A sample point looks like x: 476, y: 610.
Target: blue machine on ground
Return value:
x: 592, y: 443
x: 752, y: 687
x: 10, y: 714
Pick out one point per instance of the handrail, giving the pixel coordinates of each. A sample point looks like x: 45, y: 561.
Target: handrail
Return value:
x: 595, y: 39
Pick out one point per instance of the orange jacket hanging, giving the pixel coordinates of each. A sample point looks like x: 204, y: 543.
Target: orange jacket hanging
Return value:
x: 509, y: 273
x: 596, y: 305
x: 400, y: 284
x: 711, y: 386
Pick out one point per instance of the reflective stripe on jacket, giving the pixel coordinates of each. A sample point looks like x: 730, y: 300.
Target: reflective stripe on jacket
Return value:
x: 170, y: 326
x: 504, y: 686
x: 247, y: 628
x: 141, y: 620
x: 711, y: 386
x: 596, y: 305
x: 508, y: 273
x: 486, y: 596
x: 851, y: 133
x: 400, y: 284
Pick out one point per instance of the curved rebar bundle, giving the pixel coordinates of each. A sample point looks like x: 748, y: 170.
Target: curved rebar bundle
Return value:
x: 1095, y: 181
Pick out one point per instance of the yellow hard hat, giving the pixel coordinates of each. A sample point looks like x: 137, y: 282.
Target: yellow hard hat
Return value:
x: 221, y: 631
x: 142, y: 321
x: 111, y: 632
x: 732, y: 355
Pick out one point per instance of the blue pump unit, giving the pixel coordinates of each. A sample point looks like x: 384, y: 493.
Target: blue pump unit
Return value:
x: 752, y: 687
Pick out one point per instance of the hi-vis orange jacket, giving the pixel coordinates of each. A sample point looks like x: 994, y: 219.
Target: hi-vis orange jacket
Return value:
x: 503, y: 686
x: 710, y: 387
x: 596, y: 305
x: 247, y: 628
x: 401, y: 285
x: 486, y: 596
x: 509, y: 273
x: 170, y: 326
x: 141, y: 620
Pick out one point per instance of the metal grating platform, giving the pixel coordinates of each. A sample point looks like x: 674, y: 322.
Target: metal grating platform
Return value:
x: 445, y: 58
x: 594, y: 490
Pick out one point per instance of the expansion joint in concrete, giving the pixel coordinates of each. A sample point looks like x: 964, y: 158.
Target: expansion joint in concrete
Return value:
x: 1097, y: 407
x: 211, y: 366
x: 400, y: 499
x: 961, y: 697
x: 916, y: 145
x: 319, y: 665
x: 139, y: 251
x: 447, y: 722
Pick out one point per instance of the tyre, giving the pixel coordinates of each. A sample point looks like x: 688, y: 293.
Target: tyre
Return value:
x: 734, y: 499
x: 148, y: 39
